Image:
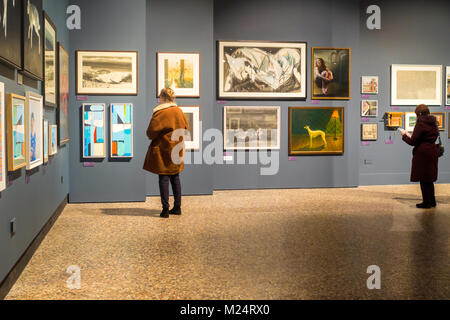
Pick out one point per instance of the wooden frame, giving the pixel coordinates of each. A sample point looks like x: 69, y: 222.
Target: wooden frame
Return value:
x: 370, y: 102
x: 112, y: 127
x: 103, y: 106
x: 32, y: 163
x: 50, y: 98
x: 3, y: 163
x: 394, y: 119
x: 442, y: 116
x: 195, y: 143
x: 195, y: 92
x: 347, y: 96
x: 14, y: 165
x: 46, y: 141
x: 63, y: 96
x: 365, y: 87
x: 52, y: 133
x: 364, y: 137
x: 32, y: 63
x: 267, y: 93
x: 341, y: 112
x: 133, y: 90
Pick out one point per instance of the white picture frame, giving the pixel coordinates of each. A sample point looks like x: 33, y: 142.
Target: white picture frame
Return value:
x: 369, y: 85
x: 127, y: 124
x: 46, y: 141
x: 3, y: 163
x: 410, y: 121
x: 34, y: 119
x: 97, y: 149
x: 369, y: 108
x: 195, y: 127
x: 52, y: 140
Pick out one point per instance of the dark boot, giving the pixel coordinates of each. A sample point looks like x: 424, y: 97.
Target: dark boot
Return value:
x: 423, y: 206
x: 176, y: 211
x: 164, y: 214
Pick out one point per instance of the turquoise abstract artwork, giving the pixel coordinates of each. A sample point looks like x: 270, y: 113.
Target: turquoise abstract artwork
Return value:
x: 121, y: 130
x: 93, y: 130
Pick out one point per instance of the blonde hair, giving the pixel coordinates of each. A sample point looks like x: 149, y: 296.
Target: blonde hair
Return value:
x: 167, y: 94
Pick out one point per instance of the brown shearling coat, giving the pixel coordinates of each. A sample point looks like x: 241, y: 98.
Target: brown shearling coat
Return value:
x: 166, y: 119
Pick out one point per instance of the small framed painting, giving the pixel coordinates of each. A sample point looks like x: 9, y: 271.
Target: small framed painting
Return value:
x: 53, y: 140
x: 369, y: 85
x: 32, y: 39
x: 46, y: 139
x: 2, y: 138
x: 440, y: 118
x: 447, y: 84
x: 394, y: 119
x: 410, y: 121
x: 192, y: 114
x: 369, y: 108
x: 121, y: 130
x: 94, y: 131
x: 15, y: 129
x: 34, y: 119
x: 50, y: 54
x: 63, y: 96
x: 179, y: 71
x: 369, y: 132
x: 11, y: 33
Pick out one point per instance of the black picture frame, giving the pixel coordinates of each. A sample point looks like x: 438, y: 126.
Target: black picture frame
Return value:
x: 11, y: 36
x: 32, y: 47
x: 48, y: 100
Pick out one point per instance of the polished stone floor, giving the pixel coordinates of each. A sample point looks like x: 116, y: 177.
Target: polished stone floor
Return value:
x: 268, y: 244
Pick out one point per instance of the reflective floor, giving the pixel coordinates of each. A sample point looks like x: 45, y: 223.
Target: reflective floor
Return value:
x: 268, y: 244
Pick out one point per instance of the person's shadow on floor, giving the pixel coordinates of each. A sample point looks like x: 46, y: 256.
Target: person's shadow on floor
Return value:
x: 132, y: 212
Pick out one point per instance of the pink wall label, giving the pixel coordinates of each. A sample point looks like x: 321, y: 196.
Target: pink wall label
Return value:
x: 365, y: 144
x: 82, y: 98
x: 292, y: 158
x: 315, y: 101
x: 88, y: 164
x: 389, y: 142
x: 365, y: 119
x: 447, y: 108
x: 221, y: 102
x: 365, y: 96
x: 394, y: 108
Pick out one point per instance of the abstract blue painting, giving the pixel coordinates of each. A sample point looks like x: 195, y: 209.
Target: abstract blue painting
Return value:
x: 121, y: 130
x: 94, y: 131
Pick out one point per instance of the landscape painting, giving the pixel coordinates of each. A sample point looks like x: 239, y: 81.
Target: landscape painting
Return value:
x: 94, y: 131
x: 251, y: 128
x: 107, y: 73
x: 180, y: 72
x: 262, y: 70
x: 63, y: 93
x: 316, y: 131
x: 34, y: 113
x: 410, y: 121
x: 33, y: 55
x: 50, y: 52
x: 2, y: 138
x: 16, y: 131
x: 121, y: 130
x: 11, y: 33
x: 192, y: 114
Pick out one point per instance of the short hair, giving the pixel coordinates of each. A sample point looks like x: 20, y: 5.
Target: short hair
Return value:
x: 167, y: 94
x: 422, y: 109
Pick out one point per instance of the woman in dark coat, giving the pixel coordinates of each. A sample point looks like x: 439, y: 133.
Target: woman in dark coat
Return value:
x: 425, y: 155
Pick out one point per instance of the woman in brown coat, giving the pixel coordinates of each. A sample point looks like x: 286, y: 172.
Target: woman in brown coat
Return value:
x: 425, y: 154
x: 165, y: 156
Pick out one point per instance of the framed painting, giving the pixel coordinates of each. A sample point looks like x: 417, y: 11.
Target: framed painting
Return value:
x: 121, y: 130
x: 316, y: 131
x: 369, y: 132
x: 94, y: 131
x: 2, y: 138
x: 369, y: 85
x: 369, y: 108
x: 192, y: 114
x: 440, y: 118
x: 410, y: 121
x: 11, y: 33
x: 447, y: 84
x: 46, y: 139
x: 63, y: 96
x: 251, y: 128
x: 50, y: 52
x: 52, y: 139
x: 394, y: 119
x: 261, y: 70
x: 33, y: 42
x: 107, y: 72
x: 331, y: 69
x: 180, y: 72
x: 412, y: 85
x: 34, y: 119
x: 15, y: 129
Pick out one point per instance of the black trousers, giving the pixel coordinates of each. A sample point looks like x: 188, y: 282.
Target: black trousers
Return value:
x: 164, y: 190
x: 428, y: 193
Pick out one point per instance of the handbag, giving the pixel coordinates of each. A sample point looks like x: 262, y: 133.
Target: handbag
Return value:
x: 440, y: 147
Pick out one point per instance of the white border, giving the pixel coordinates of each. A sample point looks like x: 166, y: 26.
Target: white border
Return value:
x: 104, y: 129
x: 39, y: 127
x: 195, y: 143
x: 2, y: 135
x: 51, y: 98
x: 407, y: 116
x: 362, y: 131
x: 111, y: 130
x: 369, y: 116
x: 362, y: 85
x: 44, y: 136
x: 51, y: 128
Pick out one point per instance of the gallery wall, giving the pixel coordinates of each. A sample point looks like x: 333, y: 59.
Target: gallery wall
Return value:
x: 32, y: 202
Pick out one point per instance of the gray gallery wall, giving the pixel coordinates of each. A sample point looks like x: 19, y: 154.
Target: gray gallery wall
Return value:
x: 33, y: 203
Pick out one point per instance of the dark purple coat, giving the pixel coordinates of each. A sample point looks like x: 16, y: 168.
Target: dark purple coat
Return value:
x: 425, y: 153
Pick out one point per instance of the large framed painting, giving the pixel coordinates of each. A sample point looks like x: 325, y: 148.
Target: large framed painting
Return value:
x: 369, y: 108
x: 316, y: 131
x: 33, y: 53
x: 251, y: 128
x: 94, y: 131
x: 192, y: 114
x: 180, y: 72
x: 46, y: 139
x: 262, y: 70
x: 121, y: 130
x: 52, y: 139
x: 50, y: 52
x: 369, y: 132
x: 11, y: 33
x: 440, y: 118
x: 2, y: 138
x: 34, y: 120
x: 412, y: 85
x: 447, y: 85
x: 63, y: 96
x: 107, y: 72
x: 15, y: 129
x: 410, y: 121
x: 331, y: 73
x: 369, y: 85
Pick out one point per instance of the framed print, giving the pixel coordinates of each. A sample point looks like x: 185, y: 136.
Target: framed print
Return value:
x: 331, y: 73
x: 369, y: 132
x: 11, y: 33
x: 46, y: 140
x: 410, y: 121
x: 440, y: 118
x: 369, y: 108
x: 33, y: 55
x: 251, y: 128
x: 369, y: 85
x: 447, y: 84
x: 50, y: 52
x: 261, y: 70
x: 107, y: 72
x: 192, y: 114
x: 121, y: 130
x: 34, y: 112
x: 316, y: 131
x: 416, y: 84
x: 15, y: 130
x: 394, y: 119
x: 63, y: 96
x: 2, y: 138
x: 180, y: 72
x: 52, y: 140
x: 94, y: 131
